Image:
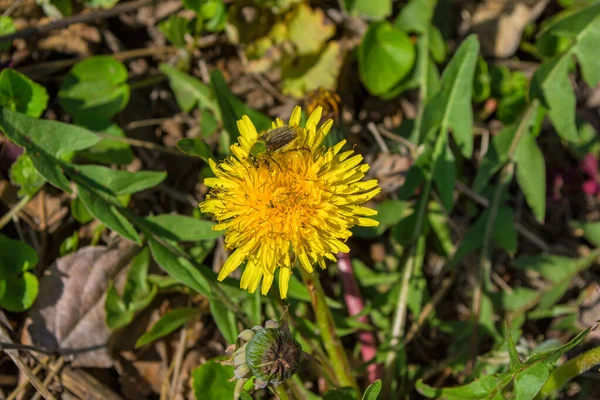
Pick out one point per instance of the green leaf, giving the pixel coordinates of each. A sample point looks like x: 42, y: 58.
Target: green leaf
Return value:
x: 314, y: 71
x: 308, y: 30
x: 21, y: 94
x: 529, y: 382
x: 166, y: 324
x: 179, y: 268
x: 416, y: 16
x: 531, y: 175
x: 591, y: 231
x: 478, y: 389
x: 551, y: 85
x: 195, y: 147
x: 117, y: 314
x: 211, y: 381
x: 107, y: 213
x: 552, y: 356
x: 7, y: 26
x: 181, y: 228
x: 444, y: 177
x: 108, y: 151
x: 232, y: 109
x: 80, y: 212
x: 24, y: 174
x: 515, y: 361
x: 369, y: 9
x: 95, y: 90
x: 225, y: 319
x: 389, y: 213
x: 20, y: 287
x: 189, y: 91
x: 385, y: 56
x: 175, y: 28
x: 341, y: 393
x: 372, y: 392
x: 137, y: 294
x: 438, y: 47
x: 45, y: 141
x: 450, y: 107
x: 118, y: 182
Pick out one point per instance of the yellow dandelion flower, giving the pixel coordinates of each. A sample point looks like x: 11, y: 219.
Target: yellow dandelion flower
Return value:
x: 295, y: 203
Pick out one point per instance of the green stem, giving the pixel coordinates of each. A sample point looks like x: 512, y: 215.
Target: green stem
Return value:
x: 333, y: 346
x: 569, y: 370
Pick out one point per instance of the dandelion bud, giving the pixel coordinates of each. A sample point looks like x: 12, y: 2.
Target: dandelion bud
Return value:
x: 268, y: 353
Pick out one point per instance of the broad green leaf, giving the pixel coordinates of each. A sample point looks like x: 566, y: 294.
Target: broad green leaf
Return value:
x: 372, y: 392
x: 307, y: 29
x: 80, y: 212
x: 438, y: 47
x: 45, y: 141
x: 368, y: 277
x: 385, y: 56
x: 166, y: 324
x: 232, y: 109
x: 19, y: 287
x: 551, y: 85
x: 181, y: 228
x: 591, y: 231
x: 24, y: 174
x: 95, y: 90
x: 107, y: 213
x: 179, y: 268
x: 108, y: 151
x: 550, y: 82
x: 505, y: 233
x: 478, y: 389
x: 529, y: 382
x: 311, y: 72
x: 117, y: 314
x: 481, y: 82
x: 225, y: 319
x: 369, y: 9
x: 7, y: 26
x: 118, y: 182
x: 211, y: 381
x: 450, y: 108
x: 175, y: 28
x: 195, y: 147
x: 21, y: 94
x: 416, y: 16
x: 20, y: 293
x: 341, y: 393
x: 189, y: 91
x: 531, y: 175
x: 137, y: 293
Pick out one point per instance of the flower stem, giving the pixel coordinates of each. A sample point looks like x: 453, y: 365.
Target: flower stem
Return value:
x: 333, y: 346
x: 568, y: 371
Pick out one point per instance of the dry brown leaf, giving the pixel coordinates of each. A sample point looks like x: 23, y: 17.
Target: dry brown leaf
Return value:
x: 69, y: 312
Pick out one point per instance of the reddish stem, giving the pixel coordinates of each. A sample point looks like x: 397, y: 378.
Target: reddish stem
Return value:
x: 355, y: 305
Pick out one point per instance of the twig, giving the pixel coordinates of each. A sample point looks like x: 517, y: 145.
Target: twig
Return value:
x: 377, y: 135
x: 36, y: 370
x: 14, y: 211
x: 178, y: 360
x: 50, y: 377
x: 397, y: 138
x: 12, y: 8
x: 142, y: 143
x: 80, y: 18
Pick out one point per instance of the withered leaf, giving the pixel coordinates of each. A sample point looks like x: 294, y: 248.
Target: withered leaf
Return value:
x: 68, y: 316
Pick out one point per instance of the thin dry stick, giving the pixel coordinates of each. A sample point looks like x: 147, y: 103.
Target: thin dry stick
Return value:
x: 178, y: 360
x: 50, y: 377
x: 36, y: 370
x: 142, y: 143
x: 80, y: 18
x: 14, y: 211
x: 14, y: 355
x: 377, y: 135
